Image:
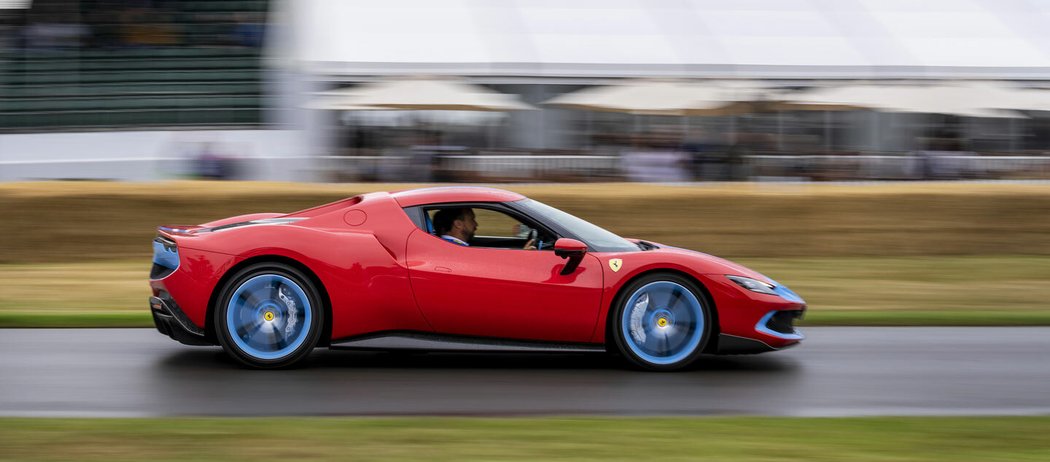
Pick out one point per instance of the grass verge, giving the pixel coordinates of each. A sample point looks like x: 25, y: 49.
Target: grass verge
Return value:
x: 440, y: 439
x: 77, y: 319
x: 934, y: 290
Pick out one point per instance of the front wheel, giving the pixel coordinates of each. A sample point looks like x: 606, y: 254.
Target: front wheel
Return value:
x: 662, y: 322
x: 269, y: 316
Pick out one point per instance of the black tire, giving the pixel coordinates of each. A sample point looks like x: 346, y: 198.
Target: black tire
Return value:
x: 670, y: 334
x: 268, y: 326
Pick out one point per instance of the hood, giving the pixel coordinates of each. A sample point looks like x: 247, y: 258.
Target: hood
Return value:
x: 710, y: 264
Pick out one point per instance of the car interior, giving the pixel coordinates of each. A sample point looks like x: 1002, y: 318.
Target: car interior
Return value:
x: 498, y: 229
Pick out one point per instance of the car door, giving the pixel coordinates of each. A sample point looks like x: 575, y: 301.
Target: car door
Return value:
x: 503, y: 292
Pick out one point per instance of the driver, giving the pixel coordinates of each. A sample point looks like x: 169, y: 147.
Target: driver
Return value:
x: 457, y: 225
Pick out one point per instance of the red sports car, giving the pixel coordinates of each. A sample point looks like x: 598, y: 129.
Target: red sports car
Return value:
x: 452, y: 269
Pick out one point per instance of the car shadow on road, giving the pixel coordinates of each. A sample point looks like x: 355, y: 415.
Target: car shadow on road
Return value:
x: 212, y: 358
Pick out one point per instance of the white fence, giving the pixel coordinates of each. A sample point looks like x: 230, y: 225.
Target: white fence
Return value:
x: 525, y: 168
x: 152, y: 155
x: 676, y: 168
x: 930, y: 165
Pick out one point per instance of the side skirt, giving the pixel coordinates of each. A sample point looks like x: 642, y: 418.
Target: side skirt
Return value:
x: 435, y: 342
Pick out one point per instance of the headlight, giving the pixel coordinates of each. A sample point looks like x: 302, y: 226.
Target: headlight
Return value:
x: 753, y: 285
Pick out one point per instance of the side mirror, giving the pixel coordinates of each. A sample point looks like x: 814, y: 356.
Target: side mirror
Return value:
x: 571, y: 249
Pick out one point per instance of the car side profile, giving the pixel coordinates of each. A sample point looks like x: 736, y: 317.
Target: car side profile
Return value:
x: 372, y: 272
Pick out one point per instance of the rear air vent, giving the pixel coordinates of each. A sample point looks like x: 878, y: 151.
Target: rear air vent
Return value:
x: 165, y: 257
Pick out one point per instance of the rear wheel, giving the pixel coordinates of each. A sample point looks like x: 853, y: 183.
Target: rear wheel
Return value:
x: 269, y: 316
x: 662, y: 322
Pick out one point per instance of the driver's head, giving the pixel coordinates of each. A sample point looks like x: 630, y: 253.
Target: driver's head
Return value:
x: 458, y: 222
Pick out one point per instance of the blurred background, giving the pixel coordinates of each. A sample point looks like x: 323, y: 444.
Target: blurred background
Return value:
x: 538, y: 91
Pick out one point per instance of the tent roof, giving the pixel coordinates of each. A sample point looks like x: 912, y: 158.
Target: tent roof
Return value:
x: 666, y: 97
x: 621, y: 38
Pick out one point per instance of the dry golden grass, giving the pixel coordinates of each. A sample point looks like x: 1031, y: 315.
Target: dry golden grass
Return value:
x: 849, y: 290
x: 75, y: 221
x: 97, y: 286
x: 932, y: 283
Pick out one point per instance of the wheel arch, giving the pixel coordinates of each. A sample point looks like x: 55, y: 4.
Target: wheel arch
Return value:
x: 326, y: 301
x: 610, y: 318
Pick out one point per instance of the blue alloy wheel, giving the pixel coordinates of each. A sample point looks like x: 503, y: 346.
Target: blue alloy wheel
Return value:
x: 663, y: 323
x: 268, y: 317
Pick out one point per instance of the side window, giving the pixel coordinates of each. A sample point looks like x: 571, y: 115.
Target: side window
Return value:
x: 491, y: 228
x: 497, y: 224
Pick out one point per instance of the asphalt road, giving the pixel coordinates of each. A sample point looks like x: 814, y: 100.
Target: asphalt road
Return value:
x: 837, y: 371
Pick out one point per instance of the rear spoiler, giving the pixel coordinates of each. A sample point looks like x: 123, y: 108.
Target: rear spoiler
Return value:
x: 241, y: 220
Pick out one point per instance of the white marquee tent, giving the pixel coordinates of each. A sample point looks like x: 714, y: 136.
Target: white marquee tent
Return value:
x: 665, y: 38
x: 540, y: 49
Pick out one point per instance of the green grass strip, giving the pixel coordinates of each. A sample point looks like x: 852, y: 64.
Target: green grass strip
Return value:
x: 76, y: 319
x: 739, y: 439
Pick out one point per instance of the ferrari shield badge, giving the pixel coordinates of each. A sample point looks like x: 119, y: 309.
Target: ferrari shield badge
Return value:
x: 615, y: 264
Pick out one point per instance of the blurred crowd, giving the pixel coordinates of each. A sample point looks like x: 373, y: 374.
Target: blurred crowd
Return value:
x: 661, y: 156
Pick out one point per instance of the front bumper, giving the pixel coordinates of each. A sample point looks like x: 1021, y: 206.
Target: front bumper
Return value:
x: 777, y: 329
x: 753, y: 322
x: 171, y: 321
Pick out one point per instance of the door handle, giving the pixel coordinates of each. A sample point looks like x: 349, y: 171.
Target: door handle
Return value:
x: 442, y: 269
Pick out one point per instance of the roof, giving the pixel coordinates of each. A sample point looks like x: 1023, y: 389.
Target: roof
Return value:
x: 437, y: 195
x: 671, y: 38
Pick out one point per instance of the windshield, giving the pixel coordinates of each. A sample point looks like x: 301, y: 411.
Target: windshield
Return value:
x: 594, y: 236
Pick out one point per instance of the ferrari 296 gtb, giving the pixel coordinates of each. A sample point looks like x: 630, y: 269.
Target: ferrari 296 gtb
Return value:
x: 455, y: 269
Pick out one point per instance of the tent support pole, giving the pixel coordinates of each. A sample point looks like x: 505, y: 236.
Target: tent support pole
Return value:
x: 780, y: 130
x: 827, y: 131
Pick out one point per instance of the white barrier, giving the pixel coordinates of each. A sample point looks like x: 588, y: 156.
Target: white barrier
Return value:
x: 932, y: 165
x: 152, y: 155
x: 271, y: 155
